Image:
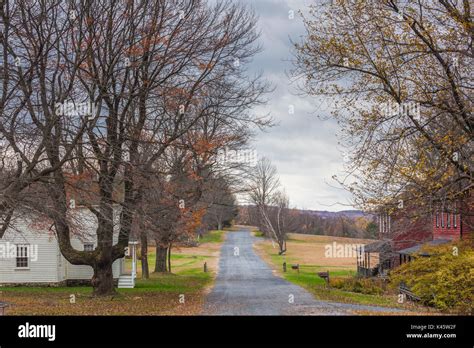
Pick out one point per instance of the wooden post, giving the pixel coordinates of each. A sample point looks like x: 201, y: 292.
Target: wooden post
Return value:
x: 205, y: 267
x: 284, y: 266
x: 325, y: 276
x: 133, y: 254
x: 3, y: 307
x: 134, y: 260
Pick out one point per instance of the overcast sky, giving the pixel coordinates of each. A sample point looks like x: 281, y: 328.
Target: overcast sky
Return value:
x: 303, y: 147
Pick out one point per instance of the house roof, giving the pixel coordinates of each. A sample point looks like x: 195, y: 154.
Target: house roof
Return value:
x: 416, y: 248
x: 380, y: 245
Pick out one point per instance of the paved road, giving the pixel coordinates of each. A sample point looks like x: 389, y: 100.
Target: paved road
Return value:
x: 245, y: 285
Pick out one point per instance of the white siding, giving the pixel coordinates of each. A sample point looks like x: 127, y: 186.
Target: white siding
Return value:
x: 86, y: 272
x: 44, y: 269
x: 51, y: 266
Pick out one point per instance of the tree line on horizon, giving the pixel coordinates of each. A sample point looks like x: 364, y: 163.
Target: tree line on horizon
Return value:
x: 309, y: 222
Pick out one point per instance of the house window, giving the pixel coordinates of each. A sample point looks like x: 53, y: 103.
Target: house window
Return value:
x: 448, y: 220
x: 455, y: 223
x: 22, y: 256
x: 437, y: 218
x: 88, y: 246
x: 442, y: 219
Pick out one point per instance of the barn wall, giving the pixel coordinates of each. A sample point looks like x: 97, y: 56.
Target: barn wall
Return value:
x: 444, y: 232
x: 409, y: 231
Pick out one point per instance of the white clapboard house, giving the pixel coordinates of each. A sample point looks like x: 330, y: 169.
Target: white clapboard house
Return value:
x: 29, y: 253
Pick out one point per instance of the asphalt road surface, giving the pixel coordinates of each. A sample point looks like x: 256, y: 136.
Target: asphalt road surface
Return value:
x: 246, y: 285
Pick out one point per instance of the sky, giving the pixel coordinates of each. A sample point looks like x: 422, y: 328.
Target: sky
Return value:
x: 303, y: 146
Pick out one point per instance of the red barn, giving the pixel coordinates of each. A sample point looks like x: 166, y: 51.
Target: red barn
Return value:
x: 397, y: 231
x: 402, y: 234
x: 450, y: 222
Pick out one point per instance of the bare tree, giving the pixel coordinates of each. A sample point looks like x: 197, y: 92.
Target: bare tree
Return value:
x: 272, y: 204
x: 279, y: 218
x: 143, y: 72
x: 263, y: 183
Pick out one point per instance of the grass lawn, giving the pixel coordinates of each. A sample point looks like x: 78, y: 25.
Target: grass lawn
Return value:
x: 258, y: 234
x: 212, y: 237
x: 162, y: 294
x: 309, y: 252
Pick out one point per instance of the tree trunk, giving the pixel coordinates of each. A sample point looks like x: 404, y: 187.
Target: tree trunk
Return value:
x: 103, y: 279
x: 160, y: 264
x: 144, y: 255
x: 282, y: 246
x: 169, y: 258
x: 219, y: 225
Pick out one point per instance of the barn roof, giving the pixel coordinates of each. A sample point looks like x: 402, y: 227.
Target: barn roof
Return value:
x: 416, y: 248
x: 378, y: 246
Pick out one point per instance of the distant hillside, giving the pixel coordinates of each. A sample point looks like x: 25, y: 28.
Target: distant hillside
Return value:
x: 345, y: 223
x: 347, y: 213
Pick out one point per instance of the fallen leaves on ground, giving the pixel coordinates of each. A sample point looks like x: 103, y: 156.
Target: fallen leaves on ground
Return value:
x: 58, y: 303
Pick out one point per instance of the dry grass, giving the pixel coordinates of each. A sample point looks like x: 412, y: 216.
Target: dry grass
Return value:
x: 310, y: 250
x: 57, y: 302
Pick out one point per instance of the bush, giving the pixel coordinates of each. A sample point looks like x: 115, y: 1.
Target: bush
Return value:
x: 444, y: 280
x: 360, y: 285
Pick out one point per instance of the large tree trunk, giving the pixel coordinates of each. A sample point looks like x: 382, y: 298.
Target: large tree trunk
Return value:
x: 144, y: 255
x: 160, y: 263
x: 103, y: 279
